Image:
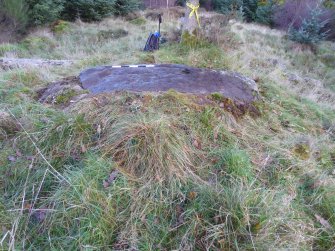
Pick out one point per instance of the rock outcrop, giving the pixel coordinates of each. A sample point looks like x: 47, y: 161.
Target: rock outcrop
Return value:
x: 160, y: 78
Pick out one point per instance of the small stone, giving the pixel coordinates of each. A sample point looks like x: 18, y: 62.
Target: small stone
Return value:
x: 40, y: 215
x: 275, y: 62
x: 105, y: 184
x: 197, y: 144
x: 11, y: 158
x: 294, y: 78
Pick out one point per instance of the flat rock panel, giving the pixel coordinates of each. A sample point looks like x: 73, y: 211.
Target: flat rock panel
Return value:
x: 163, y: 77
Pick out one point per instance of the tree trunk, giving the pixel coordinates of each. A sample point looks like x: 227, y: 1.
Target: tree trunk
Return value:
x: 191, y: 24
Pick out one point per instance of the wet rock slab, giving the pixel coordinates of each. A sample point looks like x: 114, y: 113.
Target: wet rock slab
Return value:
x: 160, y: 78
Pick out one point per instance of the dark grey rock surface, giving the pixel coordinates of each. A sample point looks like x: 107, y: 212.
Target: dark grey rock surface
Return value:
x: 164, y: 77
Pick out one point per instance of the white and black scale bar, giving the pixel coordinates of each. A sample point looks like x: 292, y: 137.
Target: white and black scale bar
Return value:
x: 134, y: 66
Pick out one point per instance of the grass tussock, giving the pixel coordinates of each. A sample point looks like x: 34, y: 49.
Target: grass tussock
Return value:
x: 86, y: 215
x: 150, y: 148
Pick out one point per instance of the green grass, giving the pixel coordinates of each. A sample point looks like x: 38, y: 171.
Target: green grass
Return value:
x: 204, y: 55
x: 234, y: 162
x: 10, y: 48
x: 160, y: 171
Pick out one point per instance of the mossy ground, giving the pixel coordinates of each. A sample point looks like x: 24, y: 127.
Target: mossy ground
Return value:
x: 161, y: 172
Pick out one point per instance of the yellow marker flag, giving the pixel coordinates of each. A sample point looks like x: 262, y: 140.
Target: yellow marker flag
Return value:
x: 194, y: 11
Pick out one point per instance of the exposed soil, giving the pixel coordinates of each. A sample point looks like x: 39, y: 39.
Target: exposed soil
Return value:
x: 164, y: 77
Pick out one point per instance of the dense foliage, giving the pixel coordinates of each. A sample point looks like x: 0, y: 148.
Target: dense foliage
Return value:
x: 39, y: 12
x: 253, y: 10
x: 202, y: 2
x: 265, y: 12
x: 87, y: 10
x: 16, y: 11
x: 329, y: 3
x: 310, y: 31
x: 295, y: 16
x: 44, y: 11
x: 293, y: 12
x: 123, y: 7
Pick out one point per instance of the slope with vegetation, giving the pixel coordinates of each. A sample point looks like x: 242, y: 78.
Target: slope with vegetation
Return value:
x: 168, y: 171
